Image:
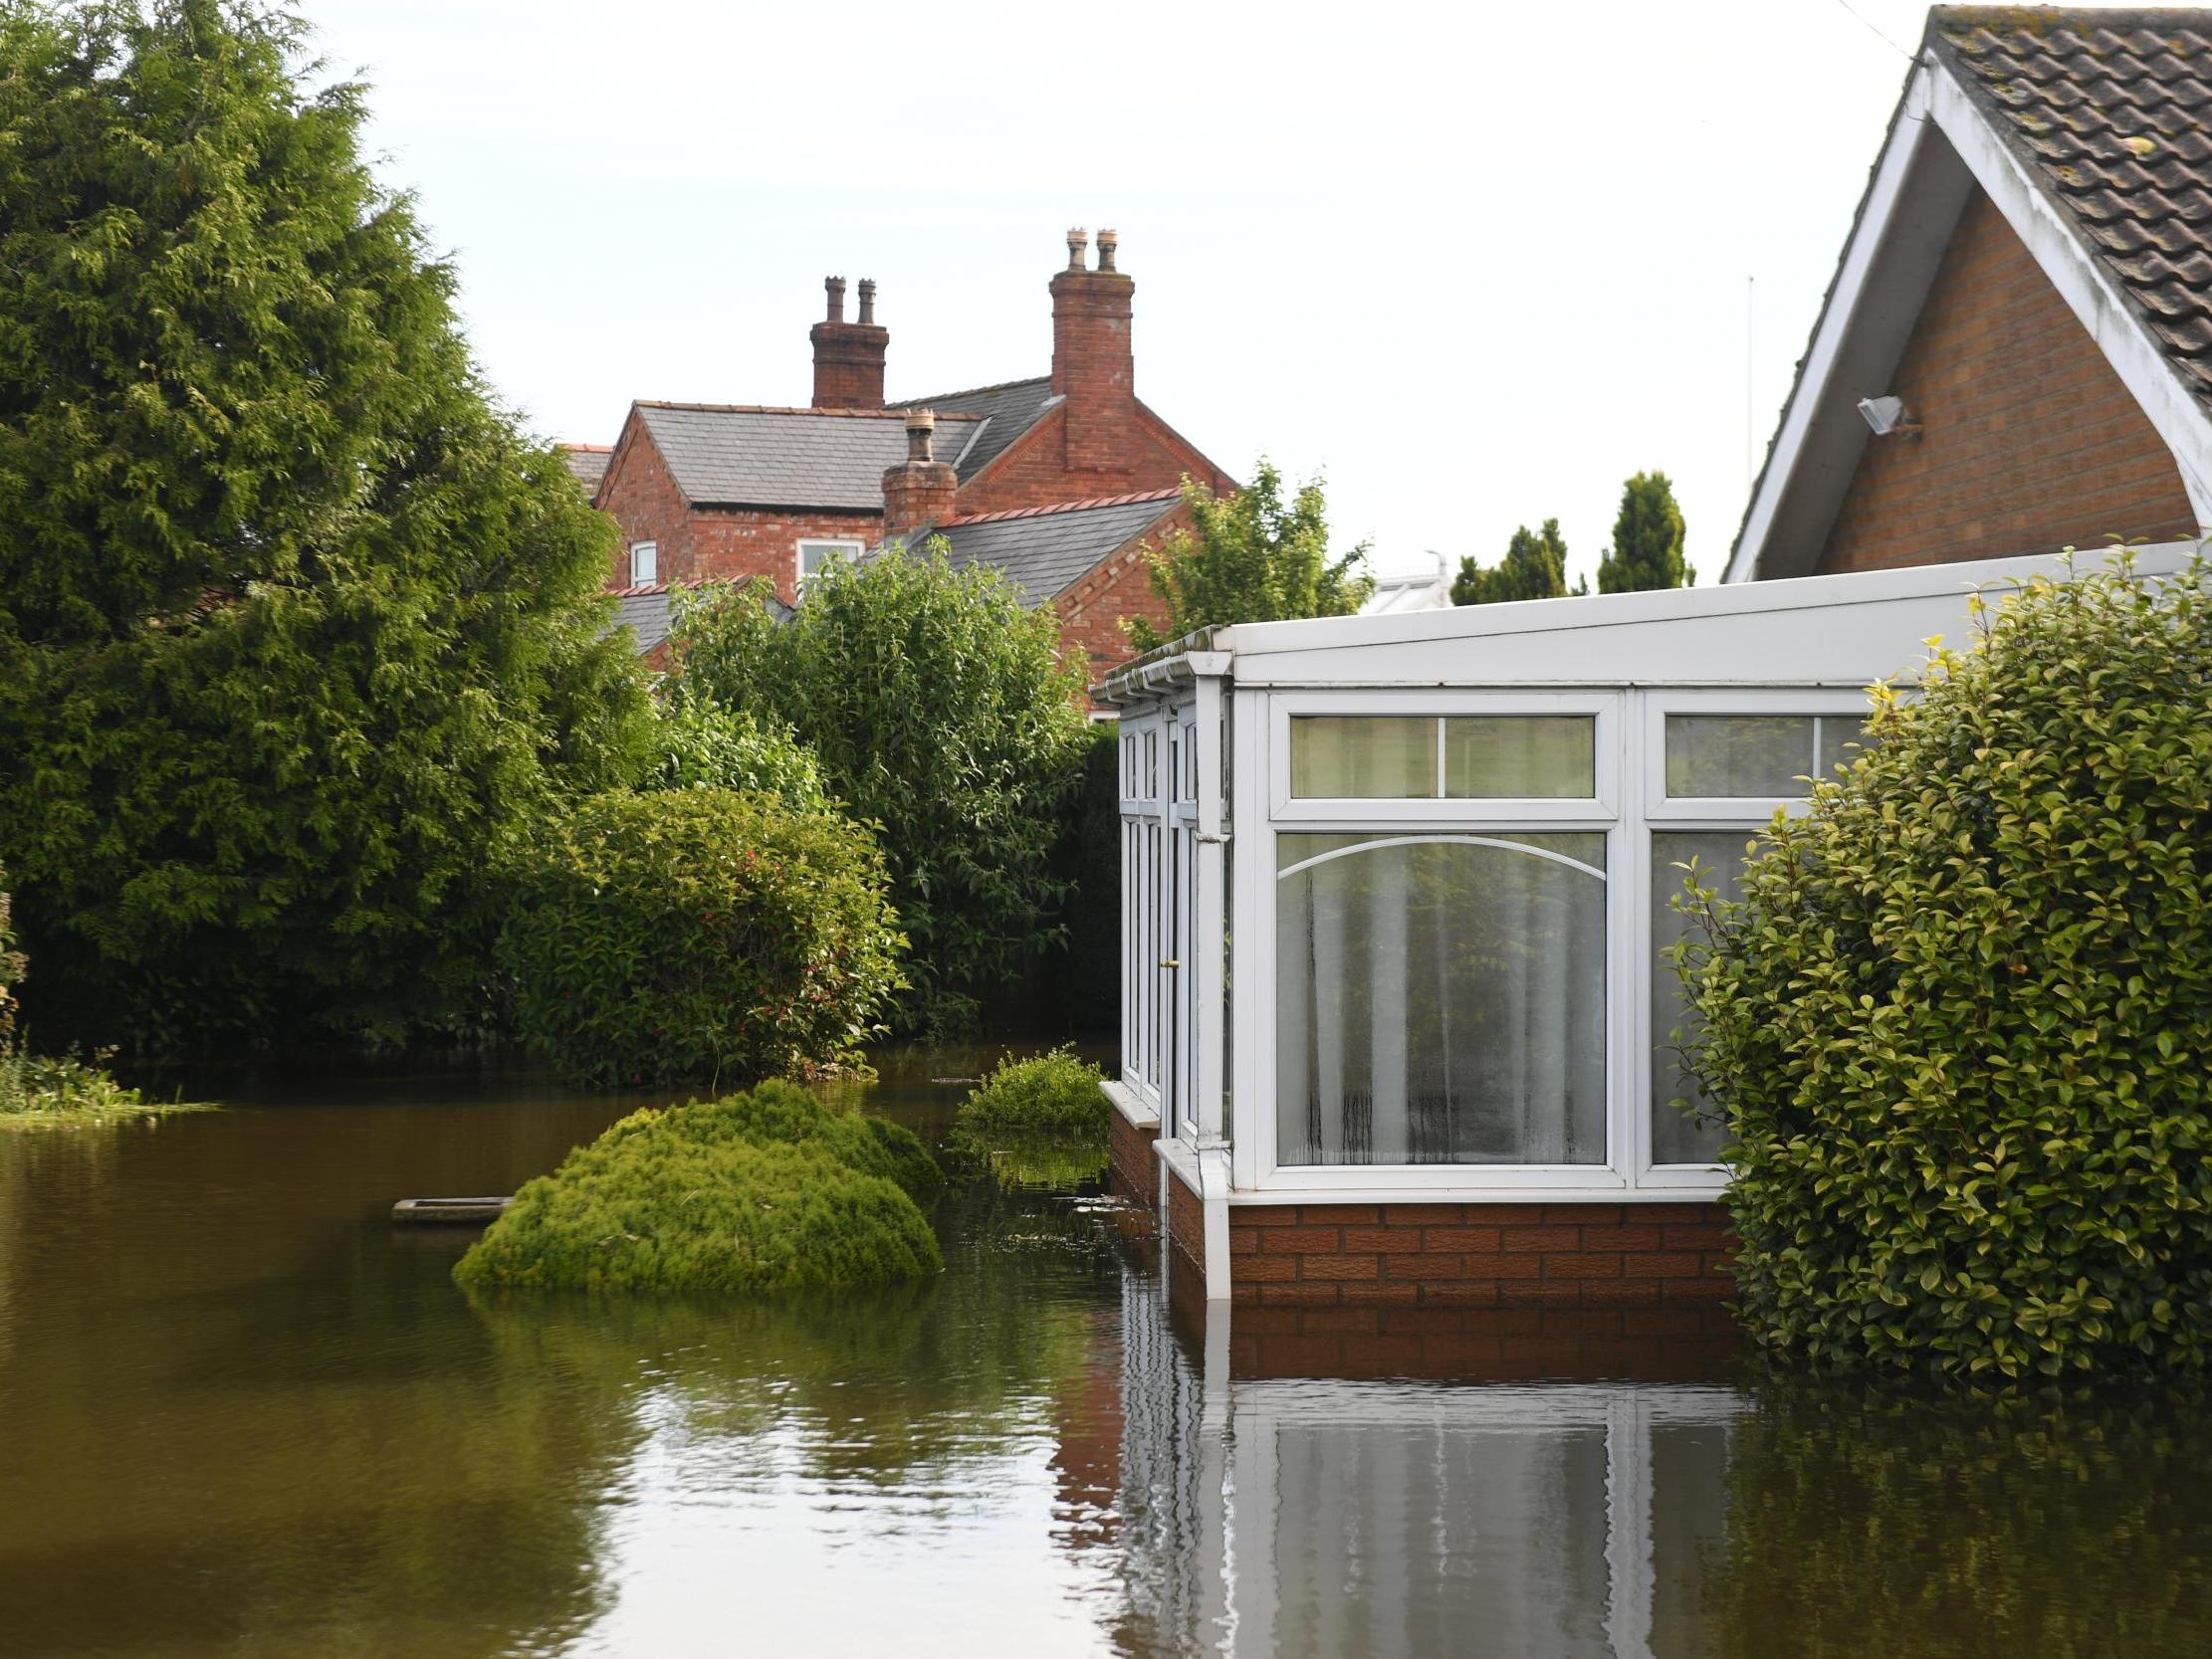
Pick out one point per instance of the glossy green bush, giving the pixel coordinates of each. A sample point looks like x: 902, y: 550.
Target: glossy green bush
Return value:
x: 1051, y: 1092
x: 1962, y: 1019
x: 698, y: 934
x: 699, y: 746
x: 759, y: 1195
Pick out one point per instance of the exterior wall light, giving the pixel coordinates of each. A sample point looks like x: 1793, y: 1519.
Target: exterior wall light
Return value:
x: 1884, y: 415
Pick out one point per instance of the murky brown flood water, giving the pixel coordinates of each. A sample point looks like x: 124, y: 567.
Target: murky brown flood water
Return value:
x: 242, y: 1414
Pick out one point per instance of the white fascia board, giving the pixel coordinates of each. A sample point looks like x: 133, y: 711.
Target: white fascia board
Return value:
x: 2085, y: 283
x: 1472, y: 623
x: 1892, y: 170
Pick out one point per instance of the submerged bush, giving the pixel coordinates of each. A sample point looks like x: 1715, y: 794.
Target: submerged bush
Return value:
x: 759, y: 1193
x: 1962, y: 1018
x: 1053, y: 1092
x: 699, y: 933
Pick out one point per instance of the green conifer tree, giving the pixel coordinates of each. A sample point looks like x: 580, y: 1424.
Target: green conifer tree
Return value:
x: 1647, y: 549
x: 295, y: 626
x: 1534, y: 567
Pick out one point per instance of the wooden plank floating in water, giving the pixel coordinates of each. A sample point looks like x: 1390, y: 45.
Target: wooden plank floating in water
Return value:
x: 475, y: 1212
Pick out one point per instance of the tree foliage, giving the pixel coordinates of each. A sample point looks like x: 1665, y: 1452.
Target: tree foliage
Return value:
x: 1534, y: 567
x: 759, y: 1194
x: 1251, y: 556
x: 295, y: 627
x: 703, y: 746
x: 940, y: 712
x: 1647, y: 550
x: 1961, y: 1016
x: 698, y: 934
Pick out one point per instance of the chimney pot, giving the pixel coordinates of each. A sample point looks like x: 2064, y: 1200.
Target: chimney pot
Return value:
x: 1077, y: 240
x: 836, y: 287
x: 1108, y: 241
x: 867, y: 302
x: 921, y: 434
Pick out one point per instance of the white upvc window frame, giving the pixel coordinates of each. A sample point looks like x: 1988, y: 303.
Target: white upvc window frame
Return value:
x: 1599, y: 813
x: 1146, y: 823
x: 651, y: 550
x: 1539, y: 811
x: 850, y: 546
x: 1663, y: 814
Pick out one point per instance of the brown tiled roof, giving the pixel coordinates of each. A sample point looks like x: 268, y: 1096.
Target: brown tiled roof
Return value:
x: 2111, y: 111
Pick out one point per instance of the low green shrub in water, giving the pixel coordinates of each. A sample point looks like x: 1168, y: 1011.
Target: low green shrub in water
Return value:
x: 1053, y: 1092
x: 757, y: 1194
x: 1960, y: 1019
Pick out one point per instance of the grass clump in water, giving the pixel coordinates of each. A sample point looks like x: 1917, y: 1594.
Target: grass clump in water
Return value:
x: 1054, y: 1093
x: 38, y: 1091
x: 759, y: 1193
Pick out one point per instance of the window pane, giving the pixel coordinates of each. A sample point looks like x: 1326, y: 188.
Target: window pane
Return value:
x: 1843, y: 738
x: 1377, y: 756
x: 1738, y: 755
x: 1441, y: 1000
x: 1487, y: 757
x: 1676, y: 1136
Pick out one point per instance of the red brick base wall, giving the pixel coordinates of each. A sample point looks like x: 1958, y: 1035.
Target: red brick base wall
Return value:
x: 1685, y: 1341
x: 1477, y: 1255
x: 1133, y: 1162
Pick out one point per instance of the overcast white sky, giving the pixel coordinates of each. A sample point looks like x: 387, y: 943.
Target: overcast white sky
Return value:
x: 1477, y: 264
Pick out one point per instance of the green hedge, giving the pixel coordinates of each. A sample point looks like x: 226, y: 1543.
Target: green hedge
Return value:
x: 1962, y: 1019
x: 759, y: 1193
x: 1053, y: 1092
x: 698, y: 934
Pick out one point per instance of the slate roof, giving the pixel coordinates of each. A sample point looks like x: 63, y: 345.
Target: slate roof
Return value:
x: 735, y: 456
x: 1005, y: 410
x: 645, y: 610
x: 2111, y: 111
x: 588, y: 462
x: 1045, y: 549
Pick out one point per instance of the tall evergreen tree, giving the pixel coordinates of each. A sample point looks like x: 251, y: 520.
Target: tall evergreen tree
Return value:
x: 1252, y: 557
x: 1534, y: 567
x: 1647, y: 549
x: 295, y: 626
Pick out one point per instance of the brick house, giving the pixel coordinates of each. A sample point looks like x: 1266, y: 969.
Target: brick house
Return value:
x: 2015, y: 354
x: 1063, y: 480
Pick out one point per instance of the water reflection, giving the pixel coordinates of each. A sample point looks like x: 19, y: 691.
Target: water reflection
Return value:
x: 241, y: 1416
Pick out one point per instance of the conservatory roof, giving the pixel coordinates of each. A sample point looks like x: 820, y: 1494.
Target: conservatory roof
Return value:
x: 1841, y: 630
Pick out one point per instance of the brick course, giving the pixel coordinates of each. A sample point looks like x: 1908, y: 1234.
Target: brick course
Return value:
x: 2028, y: 441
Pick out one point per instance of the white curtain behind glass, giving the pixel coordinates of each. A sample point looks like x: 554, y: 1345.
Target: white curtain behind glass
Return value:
x: 1441, y: 999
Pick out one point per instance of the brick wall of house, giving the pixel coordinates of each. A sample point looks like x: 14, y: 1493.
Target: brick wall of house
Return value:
x: 1119, y: 586
x: 639, y: 494
x: 731, y: 543
x: 2029, y: 440
x: 1035, y: 471
x: 1133, y: 1166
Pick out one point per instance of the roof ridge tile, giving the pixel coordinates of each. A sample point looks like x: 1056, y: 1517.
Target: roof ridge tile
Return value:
x: 1089, y: 503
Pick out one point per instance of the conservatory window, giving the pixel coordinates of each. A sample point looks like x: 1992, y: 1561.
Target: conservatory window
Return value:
x: 1440, y: 998
x: 1754, y: 756
x: 1453, y: 757
x: 1683, y: 1134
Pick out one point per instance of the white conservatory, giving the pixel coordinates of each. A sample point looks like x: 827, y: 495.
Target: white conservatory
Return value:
x: 1395, y: 887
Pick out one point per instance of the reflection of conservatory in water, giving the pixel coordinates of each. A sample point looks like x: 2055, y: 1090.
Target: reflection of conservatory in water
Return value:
x: 1394, y: 889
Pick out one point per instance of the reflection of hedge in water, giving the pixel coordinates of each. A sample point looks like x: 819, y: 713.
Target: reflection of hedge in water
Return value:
x: 1039, y: 1162
x: 762, y: 1194
x: 872, y: 1386
x: 1879, y: 1524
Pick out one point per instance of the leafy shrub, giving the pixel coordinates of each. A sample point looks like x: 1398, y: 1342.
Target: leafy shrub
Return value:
x: 1053, y: 1092
x: 1962, y: 1018
x: 761, y: 1194
x: 1082, y: 990
x: 698, y: 934
x: 941, y: 711
x: 699, y: 746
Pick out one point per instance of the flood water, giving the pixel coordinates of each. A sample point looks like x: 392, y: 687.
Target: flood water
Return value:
x: 242, y: 1414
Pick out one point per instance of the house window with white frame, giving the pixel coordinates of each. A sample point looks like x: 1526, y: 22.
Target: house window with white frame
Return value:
x: 815, y: 557
x: 645, y: 563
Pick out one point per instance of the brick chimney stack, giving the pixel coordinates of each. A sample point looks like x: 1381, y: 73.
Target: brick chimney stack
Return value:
x: 919, y: 491
x: 1093, y: 362
x: 848, y: 356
